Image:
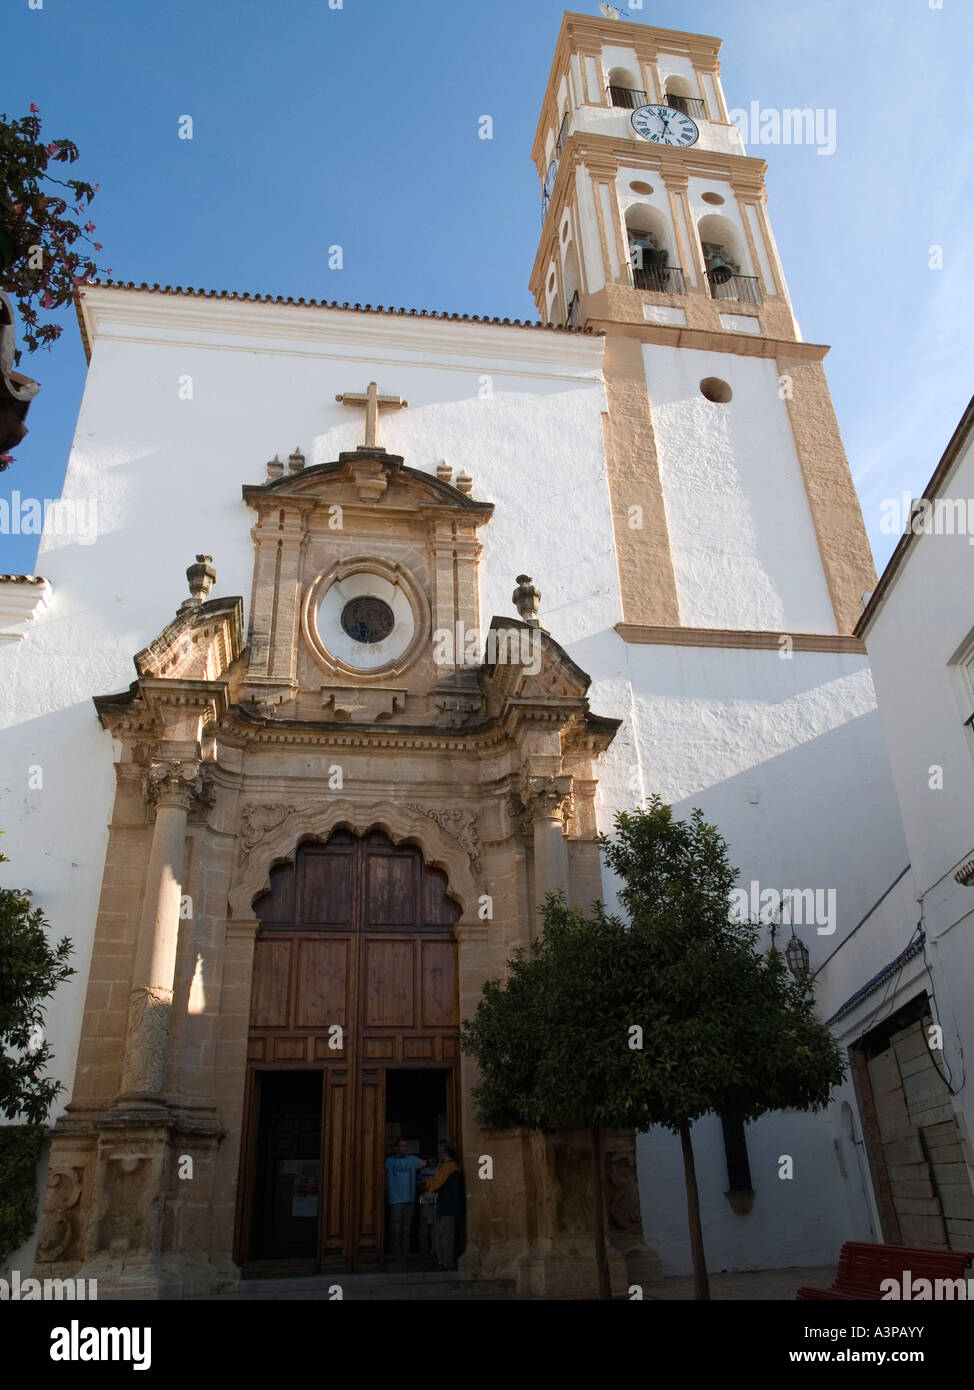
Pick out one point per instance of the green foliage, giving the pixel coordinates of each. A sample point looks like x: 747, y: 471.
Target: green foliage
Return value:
x: 20, y: 1151
x: 40, y: 265
x: 551, y: 1041
x: 725, y: 1027
x: 30, y: 971
x: 728, y: 1028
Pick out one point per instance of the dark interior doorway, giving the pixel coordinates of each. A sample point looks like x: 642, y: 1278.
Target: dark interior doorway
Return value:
x: 416, y: 1110
x: 288, y: 1166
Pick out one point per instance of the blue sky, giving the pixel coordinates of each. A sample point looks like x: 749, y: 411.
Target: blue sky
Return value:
x: 359, y: 126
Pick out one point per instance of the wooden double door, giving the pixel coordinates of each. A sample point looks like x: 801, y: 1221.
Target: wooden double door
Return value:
x: 353, y: 1043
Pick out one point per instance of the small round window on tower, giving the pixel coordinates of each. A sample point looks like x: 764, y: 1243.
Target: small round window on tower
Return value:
x: 367, y: 619
x: 715, y: 390
x: 714, y: 199
x: 638, y: 186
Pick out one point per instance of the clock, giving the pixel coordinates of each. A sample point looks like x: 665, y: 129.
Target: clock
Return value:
x: 664, y: 126
x: 549, y: 183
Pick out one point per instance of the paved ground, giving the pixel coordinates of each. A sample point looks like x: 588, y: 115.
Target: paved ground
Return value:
x: 751, y: 1286
x: 760, y: 1285
x: 778, y: 1285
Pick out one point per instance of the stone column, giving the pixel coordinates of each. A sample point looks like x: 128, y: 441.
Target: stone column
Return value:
x: 548, y: 799
x: 172, y: 787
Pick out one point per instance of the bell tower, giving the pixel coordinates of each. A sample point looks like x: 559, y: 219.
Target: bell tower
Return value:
x: 734, y: 504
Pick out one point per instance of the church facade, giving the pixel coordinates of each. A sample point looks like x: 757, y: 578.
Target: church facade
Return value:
x: 351, y: 763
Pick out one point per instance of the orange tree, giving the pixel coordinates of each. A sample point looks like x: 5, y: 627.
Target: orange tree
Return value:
x: 658, y: 1021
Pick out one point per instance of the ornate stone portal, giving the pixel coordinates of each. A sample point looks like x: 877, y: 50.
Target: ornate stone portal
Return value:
x: 361, y: 701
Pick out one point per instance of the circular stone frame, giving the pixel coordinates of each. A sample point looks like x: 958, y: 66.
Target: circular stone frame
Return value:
x: 388, y: 576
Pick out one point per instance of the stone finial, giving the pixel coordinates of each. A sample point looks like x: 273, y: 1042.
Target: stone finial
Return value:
x: 464, y: 482
x: 443, y: 471
x: 202, y: 577
x: 274, y: 467
x: 295, y: 461
x: 526, y: 598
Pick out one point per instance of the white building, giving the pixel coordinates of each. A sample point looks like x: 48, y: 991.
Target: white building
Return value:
x: 899, y: 989
x: 671, y: 476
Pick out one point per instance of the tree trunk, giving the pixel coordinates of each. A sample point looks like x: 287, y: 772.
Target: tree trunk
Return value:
x: 701, y: 1284
x: 601, y: 1257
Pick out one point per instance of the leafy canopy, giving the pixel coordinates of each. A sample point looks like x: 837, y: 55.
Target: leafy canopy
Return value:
x: 36, y: 236
x: 30, y: 971
x: 725, y: 1027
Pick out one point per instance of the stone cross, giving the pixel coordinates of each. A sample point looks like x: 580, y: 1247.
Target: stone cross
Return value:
x: 373, y: 403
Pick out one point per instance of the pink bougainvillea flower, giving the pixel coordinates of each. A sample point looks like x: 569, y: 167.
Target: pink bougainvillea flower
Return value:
x: 97, y: 245
x: 89, y: 226
x: 34, y: 106
x: 53, y: 149
x: 47, y: 302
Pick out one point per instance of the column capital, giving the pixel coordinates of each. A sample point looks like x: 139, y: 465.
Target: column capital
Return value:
x: 676, y: 180
x: 548, y: 798
x: 185, y: 784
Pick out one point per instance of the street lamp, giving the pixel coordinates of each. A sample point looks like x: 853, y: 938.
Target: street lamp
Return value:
x: 796, y: 952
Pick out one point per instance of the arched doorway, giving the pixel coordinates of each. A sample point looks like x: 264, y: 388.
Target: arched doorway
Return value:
x: 353, y: 1043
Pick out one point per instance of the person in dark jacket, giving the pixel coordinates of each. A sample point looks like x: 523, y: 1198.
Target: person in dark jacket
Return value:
x: 450, y: 1204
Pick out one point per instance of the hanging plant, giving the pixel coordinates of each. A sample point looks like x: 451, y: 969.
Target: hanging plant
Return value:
x: 42, y: 253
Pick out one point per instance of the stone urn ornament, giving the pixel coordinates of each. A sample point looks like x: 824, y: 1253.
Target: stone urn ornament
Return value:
x: 202, y: 577
x: 526, y: 598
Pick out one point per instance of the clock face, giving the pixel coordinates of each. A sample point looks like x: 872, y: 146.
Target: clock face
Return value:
x: 664, y: 126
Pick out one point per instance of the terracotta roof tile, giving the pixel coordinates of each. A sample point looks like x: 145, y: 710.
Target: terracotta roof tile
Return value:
x: 318, y: 304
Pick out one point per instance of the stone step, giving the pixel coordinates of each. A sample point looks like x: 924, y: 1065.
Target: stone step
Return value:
x: 435, y: 1284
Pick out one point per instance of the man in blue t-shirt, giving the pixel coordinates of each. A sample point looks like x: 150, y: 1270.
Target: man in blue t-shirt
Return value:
x: 401, y: 1195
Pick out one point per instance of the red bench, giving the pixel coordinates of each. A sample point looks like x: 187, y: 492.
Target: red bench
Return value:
x: 862, y: 1269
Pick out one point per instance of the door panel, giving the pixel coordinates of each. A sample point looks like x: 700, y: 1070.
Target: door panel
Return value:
x: 336, y: 1198
x: 439, y: 984
x: 371, y: 1182
x: 271, y: 998
x: 389, y: 999
x: 390, y: 898
x: 357, y: 933
x: 322, y: 982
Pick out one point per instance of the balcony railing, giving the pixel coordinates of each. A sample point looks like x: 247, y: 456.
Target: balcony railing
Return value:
x: 690, y: 106
x: 664, y: 280
x: 743, y: 288
x: 571, y: 318
x: 628, y: 96
x: 563, y: 133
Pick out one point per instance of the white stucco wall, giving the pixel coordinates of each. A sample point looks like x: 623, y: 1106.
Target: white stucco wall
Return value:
x: 785, y: 755
x: 918, y: 643
x: 744, y: 549
x: 519, y: 409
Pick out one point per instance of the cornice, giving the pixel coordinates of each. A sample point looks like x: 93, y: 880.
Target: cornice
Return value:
x: 715, y: 340
x: 212, y: 319
x: 733, y: 637
x: 223, y: 616
x: 949, y: 460
x: 22, y: 598
x: 445, y: 498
